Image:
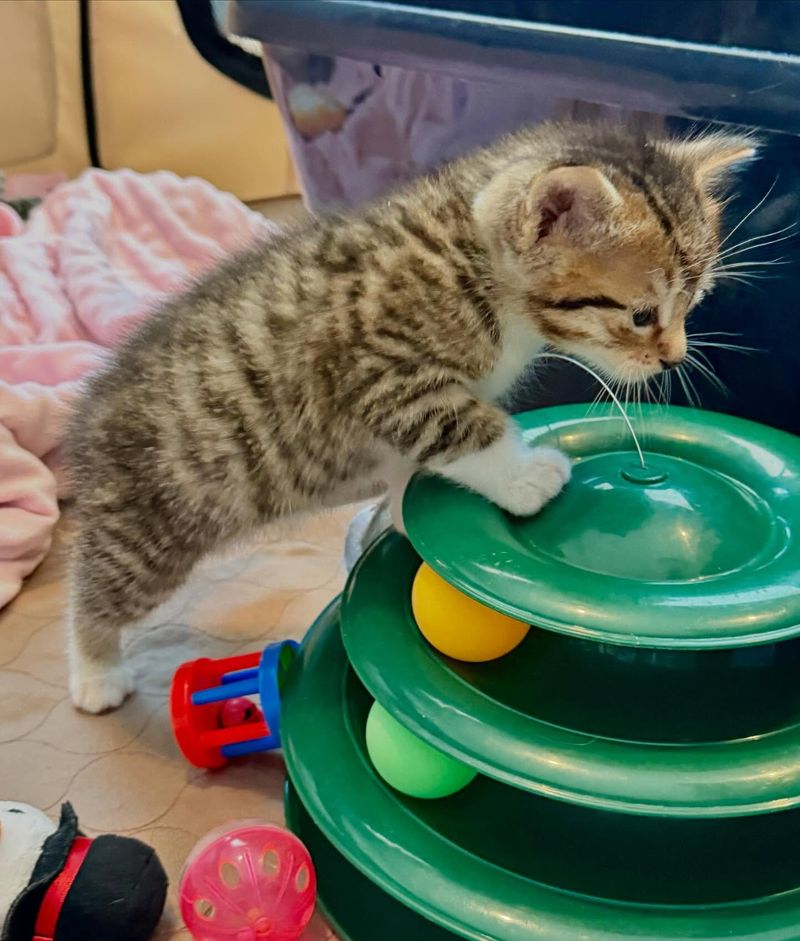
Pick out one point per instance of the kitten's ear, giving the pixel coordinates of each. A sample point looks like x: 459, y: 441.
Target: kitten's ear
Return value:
x: 713, y: 156
x: 569, y: 202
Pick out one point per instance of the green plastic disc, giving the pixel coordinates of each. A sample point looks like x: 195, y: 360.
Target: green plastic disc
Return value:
x: 698, y: 549
x: 356, y: 908
x: 494, y: 862
x: 560, y: 716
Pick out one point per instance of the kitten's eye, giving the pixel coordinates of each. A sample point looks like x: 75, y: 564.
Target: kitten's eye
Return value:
x: 644, y: 318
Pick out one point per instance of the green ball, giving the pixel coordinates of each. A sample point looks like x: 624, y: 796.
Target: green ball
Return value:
x: 410, y: 765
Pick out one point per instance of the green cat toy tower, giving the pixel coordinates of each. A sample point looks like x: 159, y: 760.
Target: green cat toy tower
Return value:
x: 638, y: 753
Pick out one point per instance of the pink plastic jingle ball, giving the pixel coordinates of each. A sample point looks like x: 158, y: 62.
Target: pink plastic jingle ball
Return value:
x: 248, y: 881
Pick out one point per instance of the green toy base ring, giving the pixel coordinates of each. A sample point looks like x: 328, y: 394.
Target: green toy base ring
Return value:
x: 562, y: 712
x: 700, y: 551
x: 495, y: 862
x: 356, y: 908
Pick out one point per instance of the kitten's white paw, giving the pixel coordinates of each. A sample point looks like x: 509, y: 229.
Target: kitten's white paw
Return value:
x: 99, y: 688
x: 540, y: 477
x: 512, y: 475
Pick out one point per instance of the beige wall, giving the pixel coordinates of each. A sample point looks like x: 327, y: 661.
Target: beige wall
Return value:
x: 41, y: 101
x: 159, y: 104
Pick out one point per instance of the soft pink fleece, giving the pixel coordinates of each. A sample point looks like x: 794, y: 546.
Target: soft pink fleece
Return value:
x: 94, y: 259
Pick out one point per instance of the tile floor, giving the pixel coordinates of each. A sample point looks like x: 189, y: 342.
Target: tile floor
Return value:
x: 122, y: 771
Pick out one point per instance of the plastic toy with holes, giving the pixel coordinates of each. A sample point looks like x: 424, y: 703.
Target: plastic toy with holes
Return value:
x: 248, y: 881
x: 213, y: 717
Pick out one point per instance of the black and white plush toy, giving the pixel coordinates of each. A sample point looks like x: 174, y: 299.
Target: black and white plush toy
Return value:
x: 56, y: 885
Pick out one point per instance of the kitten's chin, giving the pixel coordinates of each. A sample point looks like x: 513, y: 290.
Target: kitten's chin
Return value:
x: 618, y: 375
x: 633, y: 374
x: 628, y: 377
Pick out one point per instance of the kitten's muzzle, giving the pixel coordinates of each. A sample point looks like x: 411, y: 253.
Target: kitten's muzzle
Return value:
x: 667, y: 364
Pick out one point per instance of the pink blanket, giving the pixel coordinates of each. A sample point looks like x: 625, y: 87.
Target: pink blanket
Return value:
x: 93, y: 260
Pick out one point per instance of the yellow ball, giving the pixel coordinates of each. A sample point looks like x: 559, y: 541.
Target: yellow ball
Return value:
x: 458, y: 626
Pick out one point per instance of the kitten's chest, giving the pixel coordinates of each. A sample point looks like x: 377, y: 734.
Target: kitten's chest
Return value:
x: 521, y: 343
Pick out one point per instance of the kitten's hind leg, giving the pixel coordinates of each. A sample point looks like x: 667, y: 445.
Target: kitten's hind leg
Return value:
x: 98, y: 679
x: 113, y: 586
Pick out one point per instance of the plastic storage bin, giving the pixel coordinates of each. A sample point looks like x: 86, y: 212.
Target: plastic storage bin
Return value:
x: 375, y: 93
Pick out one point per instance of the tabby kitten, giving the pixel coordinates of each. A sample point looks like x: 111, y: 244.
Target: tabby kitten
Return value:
x: 317, y: 367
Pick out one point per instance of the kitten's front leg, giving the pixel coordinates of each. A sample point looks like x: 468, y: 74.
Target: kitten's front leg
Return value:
x: 398, y: 474
x: 472, y: 443
x: 516, y: 477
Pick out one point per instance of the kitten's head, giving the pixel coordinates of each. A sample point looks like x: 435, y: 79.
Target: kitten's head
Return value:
x: 609, y: 243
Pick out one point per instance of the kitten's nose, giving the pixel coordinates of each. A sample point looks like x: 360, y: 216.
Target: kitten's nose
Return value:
x: 669, y: 363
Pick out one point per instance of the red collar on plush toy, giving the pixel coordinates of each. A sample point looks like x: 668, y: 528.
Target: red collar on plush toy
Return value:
x: 111, y: 887
x: 53, y: 901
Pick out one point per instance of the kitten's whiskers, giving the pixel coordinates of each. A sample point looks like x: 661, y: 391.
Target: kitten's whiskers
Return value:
x: 609, y: 390
x: 706, y: 371
x: 733, y: 347
x: 755, y: 208
x: 759, y: 241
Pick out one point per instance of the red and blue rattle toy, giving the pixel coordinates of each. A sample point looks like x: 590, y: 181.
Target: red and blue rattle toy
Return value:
x: 214, y: 717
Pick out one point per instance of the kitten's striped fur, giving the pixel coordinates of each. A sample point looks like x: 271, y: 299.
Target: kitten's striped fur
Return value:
x: 313, y: 368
